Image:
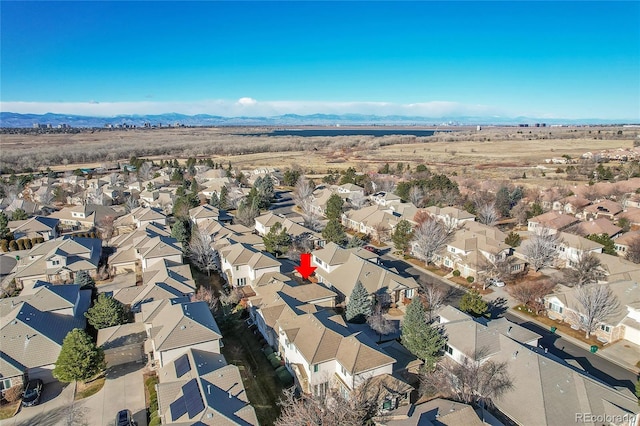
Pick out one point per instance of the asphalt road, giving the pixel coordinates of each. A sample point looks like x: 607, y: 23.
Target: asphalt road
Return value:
x: 593, y: 364
x: 283, y: 204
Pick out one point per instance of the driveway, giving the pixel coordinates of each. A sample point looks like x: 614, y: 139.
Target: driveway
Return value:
x: 53, y: 408
x: 123, y: 388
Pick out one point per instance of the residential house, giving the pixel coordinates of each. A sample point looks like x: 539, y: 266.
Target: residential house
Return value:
x: 173, y: 326
x: 617, y: 268
x: 138, y: 218
x: 385, y: 199
x: 571, y: 247
x: 598, y: 227
x: 373, y: 221
x: 341, y: 269
x: 553, y: 390
x: 35, y: 227
x: 625, y: 324
x: 572, y: 204
x: 605, y: 208
x: 623, y: 242
x: 123, y: 344
x: 451, y: 216
x: 435, y: 412
x: 351, y: 190
x: 27, y: 206
x: 553, y: 221
x: 294, y: 228
x: 632, y: 214
x: 199, y: 387
x: 32, y: 328
x: 242, y: 264
x: 205, y: 212
x: 59, y: 260
x: 127, y: 256
x: 82, y: 218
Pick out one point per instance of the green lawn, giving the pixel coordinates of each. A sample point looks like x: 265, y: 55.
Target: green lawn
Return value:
x: 242, y: 348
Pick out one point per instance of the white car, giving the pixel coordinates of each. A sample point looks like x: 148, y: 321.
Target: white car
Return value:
x: 496, y: 282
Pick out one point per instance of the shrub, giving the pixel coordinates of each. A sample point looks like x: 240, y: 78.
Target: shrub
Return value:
x: 274, y: 360
x: 284, y: 376
x: 470, y: 280
x: 268, y: 351
x: 155, y: 422
x: 4, y: 245
x: 40, y: 240
x: 456, y: 273
x: 27, y: 244
x: 20, y: 244
x: 34, y: 241
x: 14, y: 393
x: 13, y: 246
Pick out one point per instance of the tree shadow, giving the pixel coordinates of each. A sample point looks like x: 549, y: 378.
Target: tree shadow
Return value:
x: 498, y: 307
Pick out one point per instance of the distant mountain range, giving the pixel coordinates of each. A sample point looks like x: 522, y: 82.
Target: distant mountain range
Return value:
x: 11, y: 119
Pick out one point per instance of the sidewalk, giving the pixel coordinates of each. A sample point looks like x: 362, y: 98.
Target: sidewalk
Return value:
x: 620, y: 356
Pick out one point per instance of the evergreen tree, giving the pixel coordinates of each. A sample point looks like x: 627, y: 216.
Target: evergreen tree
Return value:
x: 214, y: 201
x: 85, y: 281
x: 334, y: 232
x: 106, y: 312
x: 19, y: 214
x: 277, y: 241
x: 79, y: 358
x: 334, y: 207
x: 419, y: 337
x: 402, y: 235
x: 224, y: 198
x: 606, y: 241
x: 4, y: 226
x: 472, y: 303
x: 359, y: 307
x: 513, y: 239
x: 181, y: 231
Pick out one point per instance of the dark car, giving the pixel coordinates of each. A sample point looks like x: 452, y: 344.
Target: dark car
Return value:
x: 371, y: 249
x: 31, y: 394
x: 123, y: 418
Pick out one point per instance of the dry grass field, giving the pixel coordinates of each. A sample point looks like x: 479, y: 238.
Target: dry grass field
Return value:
x: 492, y: 153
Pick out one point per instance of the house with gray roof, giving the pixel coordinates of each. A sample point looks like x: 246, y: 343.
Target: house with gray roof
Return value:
x: 242, y: 264
x: 206, y: 212
x: 32, y: 328
x: 173, y: 326
x: 59, y: 260
x: 199, y: 387
x: 38, y: 226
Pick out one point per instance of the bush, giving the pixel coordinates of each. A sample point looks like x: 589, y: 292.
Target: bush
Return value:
x: 34, y: 241
x: 13, y: 246
x: 284, y: 376
x: 14, y: 393
x: 20, y: 244
x: 155, y: 422
x: 470, y: 280
x: 274, y: 359
x: 456, y: 273
x: 27, y: 244
x: 267, y: 351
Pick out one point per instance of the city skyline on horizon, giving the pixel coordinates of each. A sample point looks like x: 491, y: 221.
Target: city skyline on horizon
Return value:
x: 563, y: 60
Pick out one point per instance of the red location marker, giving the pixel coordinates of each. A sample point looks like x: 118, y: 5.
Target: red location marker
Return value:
x: 305, y: 267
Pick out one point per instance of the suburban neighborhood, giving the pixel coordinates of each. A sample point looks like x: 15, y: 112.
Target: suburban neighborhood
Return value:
x: 219, y: 296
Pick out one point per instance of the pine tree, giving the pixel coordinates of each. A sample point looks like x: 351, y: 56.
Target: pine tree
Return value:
x: 106, y: 312
x: 224, y: 198
x: 79, y: 358
x: 402, y: 235
x: 277, y: 241
x: 420, y: 338
x: 19, y: 214
x: 214, y: 201
x: 84, y: 280
x: 4, y: 226
x: 359, y: 306
x: 334, y: 207
x: 334, y: 232
x: 180, y: 231
x: 473, y: 304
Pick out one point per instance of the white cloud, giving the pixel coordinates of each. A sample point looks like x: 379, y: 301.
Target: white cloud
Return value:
x: 247, y: 106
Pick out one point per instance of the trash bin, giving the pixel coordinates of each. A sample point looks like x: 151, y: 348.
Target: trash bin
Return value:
x: 594, y: 349
x: 553, y: 329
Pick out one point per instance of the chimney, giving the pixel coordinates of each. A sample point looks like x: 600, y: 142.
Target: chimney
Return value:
x: 515, y: 354
x: 229, y: 394
x: 509, y: 330
x: 209, y: 389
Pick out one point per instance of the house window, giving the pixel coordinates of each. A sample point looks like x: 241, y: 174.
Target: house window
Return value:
x: 605, y: 328
x: 408, y: 293
x: 316, y: 368
x: 555, y: 307
x: 343, y: 371
x: 5, y: 384
x: 321, y: 389
x: 449, y: 349
x: 241, y: 281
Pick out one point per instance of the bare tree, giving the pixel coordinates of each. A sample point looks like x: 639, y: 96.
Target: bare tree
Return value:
x: 434, y: 296
x: 429, y: 238
x: 596, y: 303
x: 145, y: 171
x: 357, y: 200
x: 46, y: 197
x: 379, y: 323
x: 416, y: 196
x: 633, y: 251
x: 541, y: 249
x: 520, y: 212
x: 131, y: 203
x: 531, y: 293
x: 487, y: 213
x: 205, y: 294
x: 382, y: 231
x: 11, y: 191
x: 585, y: 270
x: 303, y: 195
x: 114, y: 178
x: 95, y: 196
x: 474, y: 380
x: 201, y: 253
x: 386, y: 184
x: 498, y: 267
x: 106, y: 227
x: 229, y: 300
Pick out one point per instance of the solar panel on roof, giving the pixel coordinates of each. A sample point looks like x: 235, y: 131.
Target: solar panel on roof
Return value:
x: 178, y: 409
x: 182, y: 365
x: 192, y: 398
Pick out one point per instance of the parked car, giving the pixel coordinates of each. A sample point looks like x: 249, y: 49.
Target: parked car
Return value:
x: 371, y: 249
x: 124, y: 418
x: 31, y: 394
x: 496, y: 282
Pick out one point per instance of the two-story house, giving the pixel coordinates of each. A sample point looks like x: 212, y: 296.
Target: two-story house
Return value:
x: 242, y: 264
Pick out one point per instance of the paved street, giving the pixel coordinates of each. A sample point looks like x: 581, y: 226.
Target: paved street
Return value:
x: 283, y: 204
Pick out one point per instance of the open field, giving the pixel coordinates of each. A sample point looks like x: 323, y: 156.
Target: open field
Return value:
x: 494, y: 153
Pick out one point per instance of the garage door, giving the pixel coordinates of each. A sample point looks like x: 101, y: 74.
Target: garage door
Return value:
x: 124, y: 355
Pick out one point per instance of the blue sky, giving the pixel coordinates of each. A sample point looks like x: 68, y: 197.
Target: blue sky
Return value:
x: 542, y: 59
